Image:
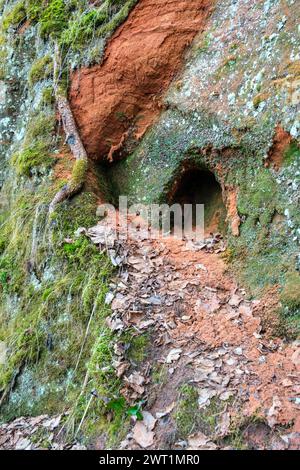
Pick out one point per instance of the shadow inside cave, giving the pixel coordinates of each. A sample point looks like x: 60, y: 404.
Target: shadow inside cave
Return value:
x: 197, y: 186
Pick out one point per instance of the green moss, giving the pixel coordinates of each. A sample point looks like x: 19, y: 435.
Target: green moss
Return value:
x: 15, y: 16
x: 48, y: 98
x: 290, y: 295
x: 136, y: 345
x: 90, y: 24
x: 34, y: 9
x: 291, y: 153
x: 70, y: 213
x: 118, y: 18
x: 3, y: 57
x: 189, y: 418
x: 47, y: 336
x: 258, y: 197
x: 36, y: 145
x: 31, y: 157
x: 83, y: 28
x: 187, y: 410
x: 54, y: 18
x: 78, y: 174
x: 40, y: 70
x: 40, y: 127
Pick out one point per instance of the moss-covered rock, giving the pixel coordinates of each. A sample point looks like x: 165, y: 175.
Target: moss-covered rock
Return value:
x: 290, y: 295
x: 40, y: 70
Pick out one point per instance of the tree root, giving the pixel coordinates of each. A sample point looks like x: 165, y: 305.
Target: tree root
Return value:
x: 74, y: 141
x: 78, y: 151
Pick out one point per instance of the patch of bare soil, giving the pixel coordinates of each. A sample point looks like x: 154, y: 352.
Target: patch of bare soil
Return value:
x: 141, y: 59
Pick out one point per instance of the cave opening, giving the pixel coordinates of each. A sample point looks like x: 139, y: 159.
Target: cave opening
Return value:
x: 198, y: 186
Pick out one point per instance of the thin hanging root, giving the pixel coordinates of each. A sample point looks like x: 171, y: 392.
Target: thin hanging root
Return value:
x: 74, y: 141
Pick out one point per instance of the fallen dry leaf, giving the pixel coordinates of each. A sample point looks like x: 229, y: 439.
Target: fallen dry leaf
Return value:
x: 161, y: 414
x: 199, y: 441
x: 142, y: 435
x: 173, y: 355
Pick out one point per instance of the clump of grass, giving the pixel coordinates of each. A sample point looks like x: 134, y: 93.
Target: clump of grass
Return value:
x: 83, y: 28
x: 95, y: 23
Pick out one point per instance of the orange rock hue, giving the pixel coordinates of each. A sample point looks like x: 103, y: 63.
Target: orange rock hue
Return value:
x: 141, y: 59
x: 232, y: 212
x: 281, y: 140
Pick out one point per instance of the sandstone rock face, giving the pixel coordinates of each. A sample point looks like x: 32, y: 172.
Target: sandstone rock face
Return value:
x: 141, y: 59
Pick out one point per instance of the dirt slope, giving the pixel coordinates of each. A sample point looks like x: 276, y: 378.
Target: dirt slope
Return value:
x: 140, y: 61
x: 206, y: 338
x: 207, y: 335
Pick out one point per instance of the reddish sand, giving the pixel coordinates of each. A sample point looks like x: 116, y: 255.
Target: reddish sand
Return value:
x: 141, y: 59
x: 280, y: 143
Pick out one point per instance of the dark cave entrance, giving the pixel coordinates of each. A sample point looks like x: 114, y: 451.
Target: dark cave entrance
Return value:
x: 198, y: 186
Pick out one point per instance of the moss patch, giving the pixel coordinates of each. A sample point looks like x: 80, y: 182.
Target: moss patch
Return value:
x: 190, y: 419
x: 136, y: 346
x: 291, y: 153
x: 78, y: 174
x: 40, y: 70
x: 290, y: 295
x: 36, y: 147
x: 15, y: 16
